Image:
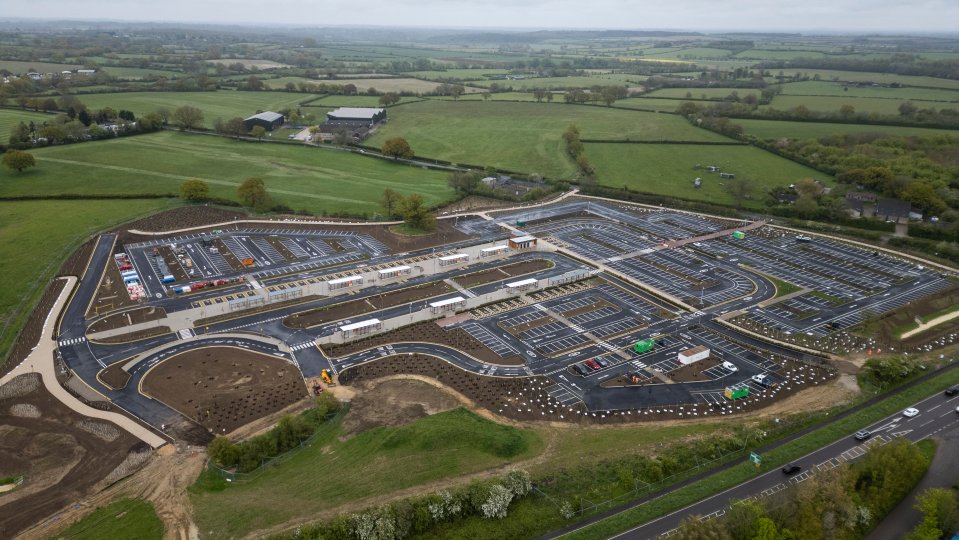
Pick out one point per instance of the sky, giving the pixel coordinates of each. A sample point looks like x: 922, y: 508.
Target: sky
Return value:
x: 890, y: 16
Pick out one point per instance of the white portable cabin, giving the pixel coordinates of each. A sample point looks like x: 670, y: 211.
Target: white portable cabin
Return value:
x: 522, y: 242
x: 695, y: 354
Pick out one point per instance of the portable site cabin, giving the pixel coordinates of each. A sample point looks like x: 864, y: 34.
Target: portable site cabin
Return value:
x: 695, y: 354
x: 739, y: 235
x: 522, y: 242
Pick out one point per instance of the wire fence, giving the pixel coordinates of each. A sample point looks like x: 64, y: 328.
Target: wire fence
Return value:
x: 329, y: 423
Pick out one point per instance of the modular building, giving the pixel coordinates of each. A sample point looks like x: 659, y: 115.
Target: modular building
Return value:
x: 360, y: 328
x: 344, y: 282
x: 695, y: 354
x: 456, y: 258
x: 522, y: 242
x: 736, y: 393
x: 450, y: 304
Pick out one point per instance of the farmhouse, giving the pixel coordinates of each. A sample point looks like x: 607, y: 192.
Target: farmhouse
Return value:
x: 268, y: 120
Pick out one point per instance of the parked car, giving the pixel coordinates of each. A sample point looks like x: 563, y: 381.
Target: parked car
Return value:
x: 592, y: 364
x: 863, y: 435
x: 580, y: 369
x: 602, y: 362
x: 730, y: 366
x: 952, y: 391
x: 910, y: 412
x: 791, y: 469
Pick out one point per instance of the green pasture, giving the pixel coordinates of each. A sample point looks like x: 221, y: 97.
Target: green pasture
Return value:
x: 15, y: 66
x: 560, y: 83
x: 760, y: 54
x: 139, y: 73
x: 698, y: 93
x: 10, y: 118
x: 36, y: 236
x: 775, y: 129
x: 330, y: 471
x: 460, y: 74
x: 315, y: 179
x: 523, y: 137
x: 860, y: 104
x: 668, y: 169
x: 830, y: 88
x: 866, y: 76
x: 223, y: 104
x: 655, y: 104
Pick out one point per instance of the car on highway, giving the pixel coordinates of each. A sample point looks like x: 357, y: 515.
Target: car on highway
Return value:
x: 910, y: 412
x: 791, y: 469
x: 592, y: 364
x: 952, y: 391
x: 862, y: 435
x: 730, y: 366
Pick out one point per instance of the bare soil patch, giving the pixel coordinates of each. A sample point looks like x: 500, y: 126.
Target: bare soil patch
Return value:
x: 425, y: 332
x: 394, y: 403
x: 474, y: 203
x: 185, y: 217
x: 111, y: 293
x: 126, y: 318
x: 510, y: 270
x: 223, y: 388
x: 61, y: 461
x: 693, y: 372
x: 353, y: 308
x: 114, y: 376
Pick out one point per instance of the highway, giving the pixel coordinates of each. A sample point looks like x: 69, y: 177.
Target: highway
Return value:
x: 937, y: 416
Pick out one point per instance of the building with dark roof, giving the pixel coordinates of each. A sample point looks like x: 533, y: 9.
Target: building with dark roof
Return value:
x: 268, y: 120
x: 356, y: 115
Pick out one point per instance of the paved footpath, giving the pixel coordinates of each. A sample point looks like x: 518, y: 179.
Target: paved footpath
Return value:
x: 41, y: 361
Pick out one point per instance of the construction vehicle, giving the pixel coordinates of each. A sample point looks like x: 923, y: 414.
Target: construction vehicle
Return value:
x: 327, y: 378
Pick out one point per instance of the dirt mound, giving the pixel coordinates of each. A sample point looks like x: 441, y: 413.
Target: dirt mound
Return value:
x: 394, y: 403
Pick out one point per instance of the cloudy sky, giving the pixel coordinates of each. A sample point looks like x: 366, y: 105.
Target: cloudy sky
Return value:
x: 762, y: 15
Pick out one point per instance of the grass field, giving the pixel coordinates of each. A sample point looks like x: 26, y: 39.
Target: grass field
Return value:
x: 395, y: 85
x: 35, y: 236
x: 40, y: 67
x: 829, y: 88
x: 774, y: 129
x: 315, y: 179
x: 667, y: 169
x: 331, y: 472
x: 125, y: 519
x: 655, y: 104
x: 352, y: 101
x: 9, y: 118
x: 862, y: 105
x: 223, y: 104
x: 461, y: 74
x: 524, y: 137
x: 698, y: 93
x: 865, y: 76
x: 760, y: 54
x: 559, y: 83
x: 139, y: 73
